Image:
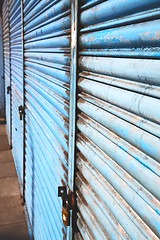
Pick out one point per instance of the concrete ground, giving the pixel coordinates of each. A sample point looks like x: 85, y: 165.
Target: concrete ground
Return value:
x: 13, y: 224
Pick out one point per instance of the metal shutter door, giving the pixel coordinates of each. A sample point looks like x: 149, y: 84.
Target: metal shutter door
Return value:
x: 118, y: 103
x: 47, y: 66
x: 6, y: 52
x: 16, y: 53
x: 2, y: 104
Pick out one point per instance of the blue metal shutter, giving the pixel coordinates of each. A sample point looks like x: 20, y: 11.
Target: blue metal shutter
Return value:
x: 2, y: 104
x: 16, y: 66
x: 6, y: 54
x: 47, y: 77
x: 118, y: 141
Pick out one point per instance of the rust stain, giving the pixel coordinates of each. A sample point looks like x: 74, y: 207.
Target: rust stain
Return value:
x: 158, y: 35
x: 63, y: 183
x: 150, y: 35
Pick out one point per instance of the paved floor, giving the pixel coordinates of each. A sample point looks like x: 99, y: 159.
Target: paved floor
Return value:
x: 13, y: 224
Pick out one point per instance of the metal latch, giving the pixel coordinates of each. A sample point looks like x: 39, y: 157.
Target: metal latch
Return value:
x: 67, y: 204
x: 21, y: 112
x: 8, y: 89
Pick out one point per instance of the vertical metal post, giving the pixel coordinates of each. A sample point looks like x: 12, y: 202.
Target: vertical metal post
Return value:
x: 73, y: 105
x: 23, y: 79
x: 10, y: 140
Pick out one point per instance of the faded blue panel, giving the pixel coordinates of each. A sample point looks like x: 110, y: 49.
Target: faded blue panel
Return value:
x: 47, y: 85
x: 108, y: 10
x: 2, y: 98
x: 139, y: 35
x: 6, y: 51
x: 17, y: 84
x: 118, y: 150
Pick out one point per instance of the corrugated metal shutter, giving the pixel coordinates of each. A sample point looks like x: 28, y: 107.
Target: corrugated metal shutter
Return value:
x: 47, y: 66
x: 118, y: 103
x: 2, y: 105
x: 16, y: 53
x: 6, y: 55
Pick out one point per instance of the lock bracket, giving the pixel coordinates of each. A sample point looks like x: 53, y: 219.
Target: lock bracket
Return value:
x: 8, y: 89
x: 21, y: 111
x: 67, y: 204
x: 62, y: 190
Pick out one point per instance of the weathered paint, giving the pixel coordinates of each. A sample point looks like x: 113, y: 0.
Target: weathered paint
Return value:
x: 60, y: 8
x: 73, y: 108
x: 138, y: 35
x: 117, y: 113
x: 16, y: 55
x: 7, y: 71
x: 47, y: 88
x: 115, y: 9
x: 139, y: 70
x: 118, y: 120
x: 2, y: 98
x: 36, y: 37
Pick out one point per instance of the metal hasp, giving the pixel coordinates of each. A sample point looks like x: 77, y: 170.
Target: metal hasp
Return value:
x: 68, y: 203
x: 8, y: 89
x: 21, y: 112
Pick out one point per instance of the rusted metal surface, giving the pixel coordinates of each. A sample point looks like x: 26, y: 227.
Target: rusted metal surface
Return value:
x: 6, y: 51
x: 24, y: 99
x: 2, y: 86
x: 111, y: 90
x: 134, y: 86
x: 47, y: 91
x: 118, y: 121
x: 73, y: 108
x: 138, y: 70
x: 115, y: 9
x: 16, y: 66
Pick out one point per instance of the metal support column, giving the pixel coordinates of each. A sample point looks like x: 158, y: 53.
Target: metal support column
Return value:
x: 73, y: 104
x: 10, y: 135
x: 22, y: 19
